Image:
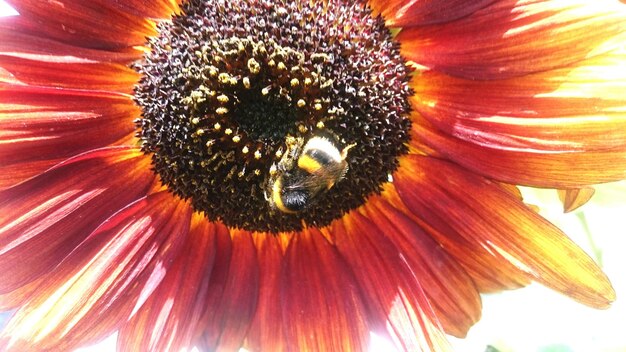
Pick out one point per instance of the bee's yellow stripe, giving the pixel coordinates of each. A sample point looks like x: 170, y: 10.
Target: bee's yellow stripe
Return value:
x: 309, y: 164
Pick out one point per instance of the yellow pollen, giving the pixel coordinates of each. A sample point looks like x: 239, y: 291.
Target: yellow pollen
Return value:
x: 320, y: 124
x: 217, y: 126
x: 301, y: 103
x: 200, y: 132
x: 195, y: 120
x: 228, y: 131
x: 294, y: 82
x: 307, y: 81
x: 245, y: 149
x: 254, y: 66
x: 318, y: 106
x: 246, y: 82
x: 281, y: 66
x: 224, y: 77
x: 257, y: 154
x: 221, y: 110
x: 265, y: 91
x: 236, y: 139
x: 222, y: 98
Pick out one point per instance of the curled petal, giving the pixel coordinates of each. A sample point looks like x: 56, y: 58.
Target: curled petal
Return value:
x: 45, y: 218
x: 458, y: 202
x: 168, y: 321
x: 389, y: 288
x: 574, y: 198
x: 512, y: 38
x: 233, y: 291
x: 322, y: 308
x: 105, y: 280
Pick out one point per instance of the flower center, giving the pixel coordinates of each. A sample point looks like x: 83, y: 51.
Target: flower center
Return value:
x: 274, y: 115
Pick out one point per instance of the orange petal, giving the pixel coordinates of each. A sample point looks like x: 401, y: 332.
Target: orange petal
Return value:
x: 168, y: 321
x: 447, y: 286
x: 574, y: 198
x: 104, y: 280
x: 44, y: 219
x: 267, y: 331
x: 576, y: 109
x: 41, y: 126
x: 482, y: 213
x: 529, y: 168
x: 394, y: 295
x: 322, y: 307
x: 94, y: 24
x: 403, y: 13
x: 512, y: 38
x: 233, y: 292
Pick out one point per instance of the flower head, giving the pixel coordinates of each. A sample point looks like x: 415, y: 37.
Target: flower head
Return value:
x: 291, y: 175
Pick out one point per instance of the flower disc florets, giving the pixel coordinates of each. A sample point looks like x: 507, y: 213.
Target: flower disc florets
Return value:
x: 229, y: 85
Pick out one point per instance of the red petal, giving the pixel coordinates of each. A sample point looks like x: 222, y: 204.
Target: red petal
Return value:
x: 322, y: 306
x: 449, y: 289
x: 19, y: 37
x: 168, y: 321
x: 104, y: 280
x: 233, y: 292
x: 42, y: 126
x: 159, y: 9
x: 90, y: 24
x: 403, y: 13
x: 482, y: 213
x: 393, y: 294
x: 45, y: 218
x: 91, y: 76
x: 267, y: 331
x: 489, y: 271
x: 512, y: 38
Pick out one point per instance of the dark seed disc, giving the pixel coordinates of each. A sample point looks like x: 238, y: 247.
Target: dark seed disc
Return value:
x: 226, y: 83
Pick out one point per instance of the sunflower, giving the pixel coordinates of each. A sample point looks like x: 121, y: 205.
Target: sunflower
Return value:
x: 292, y: 175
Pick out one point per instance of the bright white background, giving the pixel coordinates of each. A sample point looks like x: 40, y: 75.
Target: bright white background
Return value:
x: 535, y: 318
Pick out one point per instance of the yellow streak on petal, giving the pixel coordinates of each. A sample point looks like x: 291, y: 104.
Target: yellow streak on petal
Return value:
x: 53, y: 313
x: 43, y: 208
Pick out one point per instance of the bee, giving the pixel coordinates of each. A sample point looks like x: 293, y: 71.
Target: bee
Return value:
x: 306, y: 170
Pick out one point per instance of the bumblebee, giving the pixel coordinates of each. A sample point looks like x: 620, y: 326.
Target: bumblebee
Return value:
x: 305, y: 171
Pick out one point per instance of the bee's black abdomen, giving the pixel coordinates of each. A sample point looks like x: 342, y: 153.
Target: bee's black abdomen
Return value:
x: 295, y: 201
